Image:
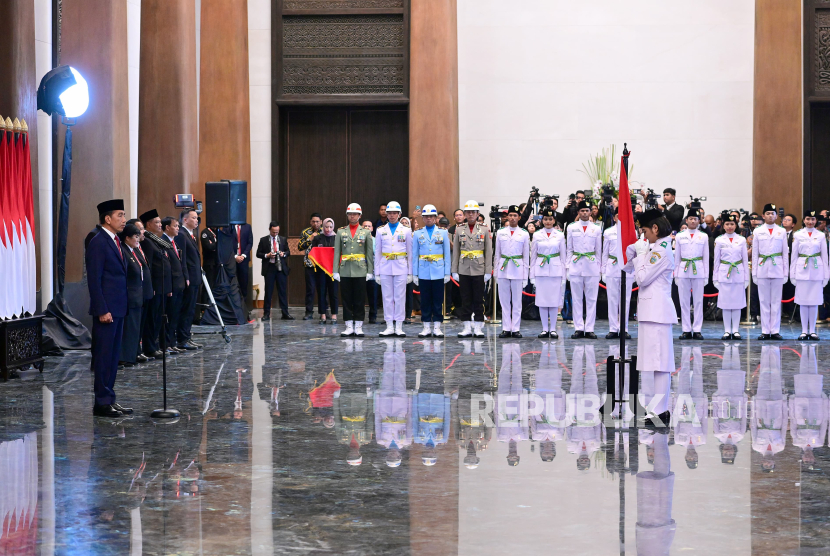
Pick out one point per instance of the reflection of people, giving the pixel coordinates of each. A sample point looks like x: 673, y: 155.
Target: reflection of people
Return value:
x: 808, y: 407
x: 585, y: 433
x: 322, y: 400
x: 393, y: 404
x: 769, y: 415
x: 549, y: 426
x: 691, y: 408
x: 511, y: 413
x: 655, y: 490
x: 431, y: 415
x: 354, y: 418
x: 469, y: 406
x: 729, y: 411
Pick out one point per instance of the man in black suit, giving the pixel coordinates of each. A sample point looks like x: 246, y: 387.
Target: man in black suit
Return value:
x: 789, y: 222
x: 189, y: 247
x: 244, y: 243
x: 178, y: 272
x: 273, y: 250
x: 155, y: 251
x: 131, y: 336
x: 106, y: 271
x: 147, y: 285
x: 671, y: 210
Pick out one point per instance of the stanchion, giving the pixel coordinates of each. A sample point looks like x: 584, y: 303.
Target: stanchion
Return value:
x: 493, y: 289
x: 748, y: 321
x: 165, y: 415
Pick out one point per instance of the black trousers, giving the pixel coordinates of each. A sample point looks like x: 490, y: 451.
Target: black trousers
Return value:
x: 432, y: 299
x: 372, y: 297
x: 353, y: 294
x: 455, y: 297
x: 280, y: 280
x: 188, y: 311
x: 144, y: 310
x: 174, y: 314
x: 152, y: 324
x: 242, y: 278
x: 471, y: 289
x: 106, y: 349
x: 131, y: 335
x: 310, y: 286
x: 326, y: 294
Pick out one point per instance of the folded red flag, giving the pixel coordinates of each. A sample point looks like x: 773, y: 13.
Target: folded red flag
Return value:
x: 323, y: 257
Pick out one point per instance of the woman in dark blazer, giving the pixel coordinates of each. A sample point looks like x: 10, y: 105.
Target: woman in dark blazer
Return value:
x: 136, y: 270
x: 326, y: 286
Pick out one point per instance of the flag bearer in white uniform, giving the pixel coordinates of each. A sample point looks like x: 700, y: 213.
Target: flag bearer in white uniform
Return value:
x: 809, y: 272
x: 691, y: 274
x: 653, y: 268
x: 584, y: 256
x: 612, y: 264
x: 511, y: 269
x: 472, y: 268
x: 770, y: 269
x: 731, y: 276
x: 547, y: 272
x: 393, y: 268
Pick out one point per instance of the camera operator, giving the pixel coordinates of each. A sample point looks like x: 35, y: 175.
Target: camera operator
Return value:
x: 671, y: 210
x: 571, y: 210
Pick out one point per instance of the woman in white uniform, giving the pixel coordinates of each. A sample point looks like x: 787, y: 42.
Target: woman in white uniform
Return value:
x: 547, y: 272
x: 731, y: 276
x: 809, y: 273
x: 653, y: 269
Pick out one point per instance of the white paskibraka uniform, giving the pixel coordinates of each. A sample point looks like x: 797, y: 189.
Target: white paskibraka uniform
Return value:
x: 584, y: 262
x: 691, y: 274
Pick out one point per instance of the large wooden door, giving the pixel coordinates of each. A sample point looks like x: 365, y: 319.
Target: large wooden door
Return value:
x: 334, y: 156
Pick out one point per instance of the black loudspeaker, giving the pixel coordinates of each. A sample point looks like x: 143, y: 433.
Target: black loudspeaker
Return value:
x: 239, y: 201
x: 217, y: 204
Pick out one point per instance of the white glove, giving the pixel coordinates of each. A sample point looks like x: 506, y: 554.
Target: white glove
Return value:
x: 446, y: 278
x: 336, y: 276
x: 456, y: 277
x: 370, y: 277
x: 746, y: 284
x: 563, y: 284
x: 408, y: 278
x: 604, y: 279
x: 486, y: 278
x: 823, y: 283
x: 717, y: 284
x: 415, y: 280
x: 641, y: 247
x: 533, y: 282
x: 631, y: 252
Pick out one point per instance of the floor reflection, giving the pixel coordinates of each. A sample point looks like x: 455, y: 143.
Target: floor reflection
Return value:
x: 293, y: 440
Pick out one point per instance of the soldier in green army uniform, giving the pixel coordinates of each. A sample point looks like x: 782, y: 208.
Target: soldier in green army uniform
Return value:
x: 354, y: 421
x: 353, y: 266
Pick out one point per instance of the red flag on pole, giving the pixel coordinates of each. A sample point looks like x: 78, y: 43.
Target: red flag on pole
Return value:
x: 626, y: 231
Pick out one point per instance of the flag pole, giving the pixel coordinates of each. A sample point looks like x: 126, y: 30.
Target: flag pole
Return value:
x: 623, y: 285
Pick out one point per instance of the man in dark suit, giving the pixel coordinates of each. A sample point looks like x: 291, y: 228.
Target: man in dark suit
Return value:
x: 273, y: 250
x: 244, y: 243
x: 189, y: 247
x: 147, y: 285
x: 106, y: 272
x: 181, y: 280
x: 788, y: 309
x: 671, y: 210
x: 155, y: 252
x: 131, y: 337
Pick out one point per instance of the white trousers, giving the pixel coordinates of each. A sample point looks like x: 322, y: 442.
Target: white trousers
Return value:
x: 510, y: 296
x: 693, y: 287
x: 613, y: 290
x: 769, y: 294
x: 589, y: 285
x: 394, y: 296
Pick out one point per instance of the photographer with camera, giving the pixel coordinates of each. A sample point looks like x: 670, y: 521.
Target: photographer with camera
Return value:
x: 571, y: 210
x: 671, y: 210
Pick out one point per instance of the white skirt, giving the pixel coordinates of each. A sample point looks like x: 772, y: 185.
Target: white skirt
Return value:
x: 548, y: 291
x: 731, y: 295
x: 655, y: 347
x: 809, y: 292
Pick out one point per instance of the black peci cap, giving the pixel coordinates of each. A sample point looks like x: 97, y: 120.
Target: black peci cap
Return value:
x: 513, y: 208
x: 149, y: 215
x: 811, y: 213
x: 770, y: 207
x: 693, y: 212
x: 645, y: 219
x: 584, y: 205
x: 110, y: 206
x: 730, y: 218
x: 548, y: 212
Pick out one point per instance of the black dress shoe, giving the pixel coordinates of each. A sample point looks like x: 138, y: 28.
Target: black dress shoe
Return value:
x: 506, y: 334
x: 726, y: 336
x: 612, y: 335
x: 590, y: 336
x: 543, y: 334
x: 126, y: 364
x: 141, y: 358
x: 554, y: 335
x: 121, y: 367
x: 517, y: 334
x: 697, y: 336
x: 764, y: 337
x: 106, y: 411
x: 373, y: 321
x: 407, y: 321
x: 125, y: 410
x: 685, y: 336
x: 194, y: 344
x: 803, y: 337
x: 577, y: 335
x: 777, y: 337
x: 265, y: 318
x: 814, y: 337
x: 286, y: 316
x: 736, y: 336
x: 156, y: 354
x: 186, y: 347
x: 627, y: 336
x: 308, y: 316
x: 173, y: 351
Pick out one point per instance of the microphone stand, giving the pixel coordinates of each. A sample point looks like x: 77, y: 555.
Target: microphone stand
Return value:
x: 165, y: 413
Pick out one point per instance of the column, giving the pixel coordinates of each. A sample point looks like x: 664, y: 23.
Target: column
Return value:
x: 43, y: 195
x: 433, y: 105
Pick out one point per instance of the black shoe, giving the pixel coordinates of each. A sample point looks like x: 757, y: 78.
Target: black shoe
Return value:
x: 814, y: 337
x: 186, y: 347
x: 726, y: 336
x: 517, y: 334
x: 156, y: 354
x: 627, y: 336
x: 286, y: 316
x: 685, y: 336
x: 265, y: 318
x: 697, y: 336
x: 125, y: 410
x: 141, y: 358
x: 554, y: 335
x: 308, y: 316
x: 590, y: 336
x: 777, y: 337
x: 126, y: 364
x: 121, y: 367
x: 803, y: 337
x: 764, y: 337
x: 577, y: 335
x: 736, y: 336
x: 407, y: 321
x: 193, y: 344
x: 373, y: 321
x: 173, y: 351
x: 659, y: 423
x: 543, y: 334
x: 612, y: 335
x: 323, y: 320
x: 506, y: 334
x: 106, y: 411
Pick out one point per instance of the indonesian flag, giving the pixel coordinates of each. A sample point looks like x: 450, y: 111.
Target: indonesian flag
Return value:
x: 626, y: 231
x: 27, y: 223
x: 323, y: 258
x: 5, y: 245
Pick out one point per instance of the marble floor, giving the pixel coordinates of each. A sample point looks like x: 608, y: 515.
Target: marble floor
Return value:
x: 292, y: 440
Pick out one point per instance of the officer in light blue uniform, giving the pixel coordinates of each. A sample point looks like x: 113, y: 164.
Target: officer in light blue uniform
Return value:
x: 431, y: 265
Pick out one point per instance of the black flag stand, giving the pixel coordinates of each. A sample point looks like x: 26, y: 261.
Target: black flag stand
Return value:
x: 165, y: 413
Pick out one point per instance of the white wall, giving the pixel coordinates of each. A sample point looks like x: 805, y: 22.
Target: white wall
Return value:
x: 259, y: 71
x: 543, y: 84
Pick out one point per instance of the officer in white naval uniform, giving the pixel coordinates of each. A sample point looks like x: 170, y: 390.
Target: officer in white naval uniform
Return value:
x: 691, y: 274
x: 612, y: 264
x: 770, y: 269
x: 510, y: 267
x: 584, y: 265
x: 393, y: 268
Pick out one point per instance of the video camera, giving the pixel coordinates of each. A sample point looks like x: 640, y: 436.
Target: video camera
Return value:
x: 695, y: 202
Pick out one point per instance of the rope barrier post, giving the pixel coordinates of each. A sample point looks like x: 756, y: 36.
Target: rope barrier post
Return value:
x: 494, y: 321
x: 748, y: 321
